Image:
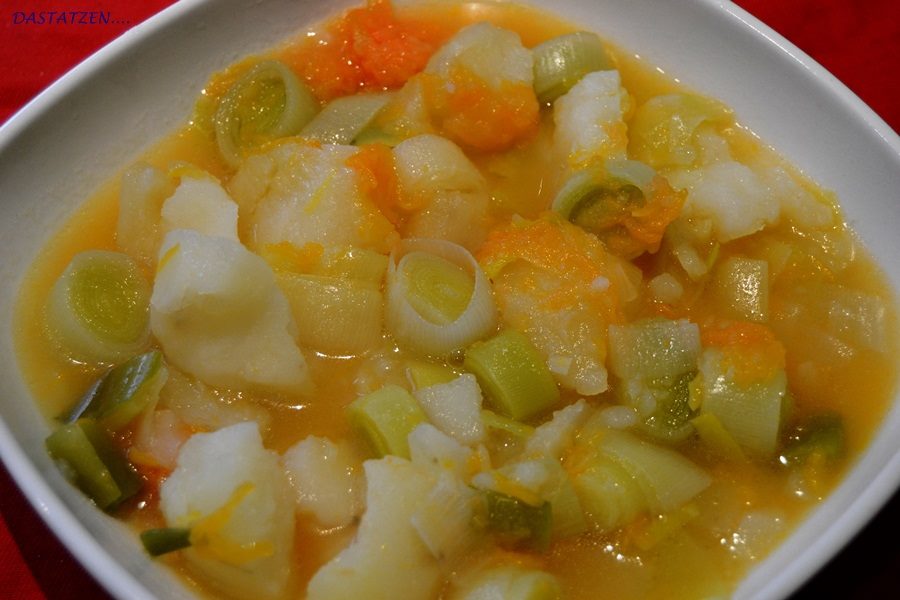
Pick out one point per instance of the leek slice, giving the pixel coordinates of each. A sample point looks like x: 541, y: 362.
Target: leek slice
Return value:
x: 663, y: 129
x: 511, y: 582
x: 385, y: 418
x: 513, y: 375
x: 267, y: 103
x: 422, y: 374
x: 821, y: 436
x: 100, y: 468
x: 343, y: 119
x: 656, y: 360
x: 752, y: 412
x: 126, y: 391
x: 596, y: 194
x: 609, y: 496
x: 98, y: 309
x: 666, y: 478
x: 560, y: 62
x: 514, y: 428
x: 742, y: 288
x: 165, y: 539
x: 515, y: 522
x: 438, y: 300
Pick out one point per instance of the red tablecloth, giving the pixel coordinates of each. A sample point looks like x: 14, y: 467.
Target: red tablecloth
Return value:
x: 857, y: 40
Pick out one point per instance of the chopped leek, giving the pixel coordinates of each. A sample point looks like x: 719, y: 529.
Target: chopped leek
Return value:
x: 752, y: 412
x: 822, y: 436
x: 512, y: 374
x: 511, y: 582
x: 437, y: 289
x: 742, y: 288
x: 666, y: 478
x: 165, y: 539
x: 125, y: 391
x: 515, y: 522
x: 662, y: 131
x: 716, y: 438
x: 386, y: 417
x: 100, y: 468
x: 594, y: 195
x: 267, y: 103
x: 497, y: 422
x: 98, y: 309
x: 422, y: 374
x: 438, y: 299
x: 657, y: 359
x: 345, y: 118
x: 609, y: 495
x: 560, y: 62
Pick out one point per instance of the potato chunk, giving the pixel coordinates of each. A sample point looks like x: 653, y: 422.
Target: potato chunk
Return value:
x: 219, y: 315
x: 236, y: 499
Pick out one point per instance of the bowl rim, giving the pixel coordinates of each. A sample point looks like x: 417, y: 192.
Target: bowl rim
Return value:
x: 121, y: 583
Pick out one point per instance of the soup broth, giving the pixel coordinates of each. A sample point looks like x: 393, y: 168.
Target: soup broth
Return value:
x: 718, y: 345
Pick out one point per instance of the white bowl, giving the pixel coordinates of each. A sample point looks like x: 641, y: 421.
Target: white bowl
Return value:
x: 112, y: 107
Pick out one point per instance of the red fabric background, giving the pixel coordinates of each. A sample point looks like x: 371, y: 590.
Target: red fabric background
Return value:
x: 857, y: 40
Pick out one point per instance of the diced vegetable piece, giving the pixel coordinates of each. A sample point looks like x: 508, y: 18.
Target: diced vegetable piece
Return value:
x: 387, y: 558
x: 438, y: 299
x: 512, y: 374
x: 211, y: 296
x: 267, y: 103
x: 608, y: 494
x: 510, y: 583
x: 165, y: 539
x: 716, y: 438
x: 822, y: 436
x: 656, y: 360
x: 143, y: 190
x: 445, y: 518
x: 551, y: 439
x: 98, y: 308
x: 386, y: 417
x: 666, y: 478
x: 455, y: 408
x: 233, y: 495
x: 500, y: 423
x: 327, y: 479
x: 431, y: 448
x: 355, y: 263
x: 422, y: 374
x: 663, y: 128
x: 343, y: 119
x: 101, y: 469
x: 202, y: 204
x: 126, y: 391
x: 751, y: 411
x: 515, y: 522
x: 334, y: 316
x: 560, y: 62
x: 742, y: 288
x: 653, y: 348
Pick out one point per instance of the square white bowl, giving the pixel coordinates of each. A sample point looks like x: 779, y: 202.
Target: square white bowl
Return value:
x: 111, y: 108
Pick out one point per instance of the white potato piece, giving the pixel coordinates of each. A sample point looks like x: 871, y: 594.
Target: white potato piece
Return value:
x: 553, y: 438
x: 731, y: 195
x: 302, y: 193
x: 202, y: 204
x: 448, y: 193
x: 327, y: 479
x: 455, y: 408
x: 235, y: 497
x: 388, y: 559
x: 219, y: 315
x: 589, y: 119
